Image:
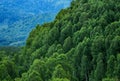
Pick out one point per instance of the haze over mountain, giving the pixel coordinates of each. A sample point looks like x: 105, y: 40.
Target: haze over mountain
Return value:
x: 19, y: 17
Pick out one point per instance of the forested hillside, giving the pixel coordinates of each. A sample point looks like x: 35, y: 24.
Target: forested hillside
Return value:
x: 81, y: 44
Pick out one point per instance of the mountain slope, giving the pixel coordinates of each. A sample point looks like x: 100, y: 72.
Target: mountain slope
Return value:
x: 81, y: 44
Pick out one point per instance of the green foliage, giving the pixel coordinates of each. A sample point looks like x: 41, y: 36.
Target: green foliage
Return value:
x: 3, y: 72
x: 84, y: 68
x: 81, y: 44
x: 34, y: 76
x: 111, y: 66
x: 60, y: 79
x: 109, y: 79
x: 67, y: 44
x: 118, y: 67
x: 53, y: 35
x: 59, y: 72
x: 99, y: 72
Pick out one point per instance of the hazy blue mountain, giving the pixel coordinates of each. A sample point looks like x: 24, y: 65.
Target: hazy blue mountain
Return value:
x: 19, y: 17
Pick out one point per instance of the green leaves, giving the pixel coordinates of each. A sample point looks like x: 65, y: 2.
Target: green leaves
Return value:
x: 82, y: 44
x: 85, y: 65
x: 111, y: 66
x: 67, y: 44
x: 59, y: 72
x: 99, y: 72
x: 60, y: 79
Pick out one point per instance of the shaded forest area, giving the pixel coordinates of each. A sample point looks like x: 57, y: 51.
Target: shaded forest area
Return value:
x: 81, y: 44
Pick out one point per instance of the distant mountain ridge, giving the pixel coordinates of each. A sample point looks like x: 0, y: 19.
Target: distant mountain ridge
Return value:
x: 19, y: 17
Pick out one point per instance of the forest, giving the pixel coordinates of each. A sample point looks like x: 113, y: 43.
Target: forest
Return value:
x: 81, y: 44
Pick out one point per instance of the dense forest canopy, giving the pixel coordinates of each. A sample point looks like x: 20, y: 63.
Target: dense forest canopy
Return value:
x: 81, y: 44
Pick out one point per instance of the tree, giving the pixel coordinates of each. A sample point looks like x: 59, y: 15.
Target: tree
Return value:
x: 115, y: 45
x: 118, y: 67
x: 111, y: 66
x: 98, y: 46
x: 3, y: 72
x: 84, y: 68
x: 59, y: 72
x: 109, y: 79
x: 8, y: 68
x: 34, y: 76
x: 65, y: 32
x: 84, y: 1
x: 60, y: 79
x: 51, y: 50
x: 67, y: 44
x: 53, y: 35
x: 100, y: 70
